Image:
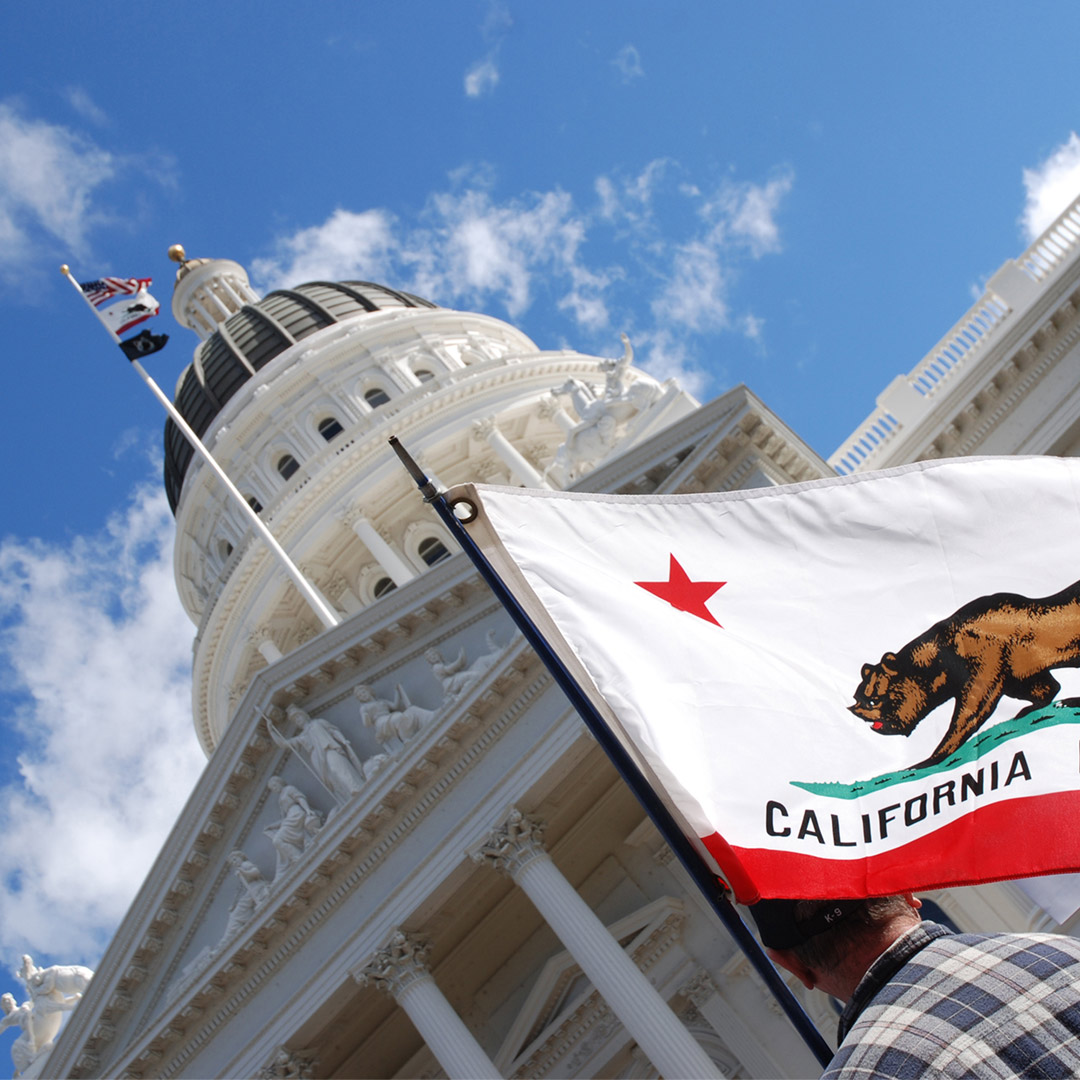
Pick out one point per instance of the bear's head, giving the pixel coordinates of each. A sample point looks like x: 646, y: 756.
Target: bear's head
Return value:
x: 892, y: 701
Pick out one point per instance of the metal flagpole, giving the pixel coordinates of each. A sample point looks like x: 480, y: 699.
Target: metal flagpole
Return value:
x: 661, y: 817
x: 327, y: 616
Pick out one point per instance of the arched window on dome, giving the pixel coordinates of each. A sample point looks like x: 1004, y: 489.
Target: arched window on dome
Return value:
x: 432, y: 550
x: 287, y: 465
x: 383, y: 586
x: 224, y: 549
x: 424, y: 375
x: 330, y: 428
x: 254, y: 503
x: 376, y: 396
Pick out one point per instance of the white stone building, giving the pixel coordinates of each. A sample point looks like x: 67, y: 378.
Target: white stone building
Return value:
x: 441, y: 874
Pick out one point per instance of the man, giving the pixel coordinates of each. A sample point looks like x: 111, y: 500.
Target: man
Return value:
x: 922, y: 1001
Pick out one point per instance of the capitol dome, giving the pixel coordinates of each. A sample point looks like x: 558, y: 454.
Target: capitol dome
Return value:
x: 249, y: 339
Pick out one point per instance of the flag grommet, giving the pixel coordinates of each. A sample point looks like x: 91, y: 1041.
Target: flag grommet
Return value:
x: 464, y: 510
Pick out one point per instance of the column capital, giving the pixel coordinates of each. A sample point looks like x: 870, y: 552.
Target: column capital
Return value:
x: 351, y: 515
x: 484, y: 428
x: 517, y: 842
x: 396, y: 966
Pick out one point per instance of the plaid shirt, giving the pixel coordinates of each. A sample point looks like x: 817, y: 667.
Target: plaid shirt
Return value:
x: 972, y: 1005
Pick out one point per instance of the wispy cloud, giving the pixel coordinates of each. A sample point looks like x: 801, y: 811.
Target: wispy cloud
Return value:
x: 346, y: 245
x: 627, y: 63
x: 481, y: 78
x: 1051, y: 186
x: 85, y: 106
x: 666, y: 277
x: 95, y: 657
x: 48, y: 177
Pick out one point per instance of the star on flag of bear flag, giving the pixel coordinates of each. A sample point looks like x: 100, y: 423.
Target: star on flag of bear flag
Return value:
x: 848, y: 687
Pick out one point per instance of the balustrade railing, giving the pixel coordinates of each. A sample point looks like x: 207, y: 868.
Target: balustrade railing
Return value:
x: 1012, y: 290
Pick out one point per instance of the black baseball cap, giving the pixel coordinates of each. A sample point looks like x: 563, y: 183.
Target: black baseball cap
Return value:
x: 777, y: 926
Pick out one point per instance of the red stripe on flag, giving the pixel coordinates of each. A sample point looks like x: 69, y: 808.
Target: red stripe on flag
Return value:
x: 1012, y: 839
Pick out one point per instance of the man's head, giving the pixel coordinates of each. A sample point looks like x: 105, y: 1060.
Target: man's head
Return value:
x: 830, y: 944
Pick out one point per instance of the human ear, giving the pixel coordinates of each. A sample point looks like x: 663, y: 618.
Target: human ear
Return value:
x: 787, y: 959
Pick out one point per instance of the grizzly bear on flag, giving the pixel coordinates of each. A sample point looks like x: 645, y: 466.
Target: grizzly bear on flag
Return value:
x: 997, y: 645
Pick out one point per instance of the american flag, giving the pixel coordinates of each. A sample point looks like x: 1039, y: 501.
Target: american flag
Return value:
x: 104, y: 289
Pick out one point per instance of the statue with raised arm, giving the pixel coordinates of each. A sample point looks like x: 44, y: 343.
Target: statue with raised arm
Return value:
x: 394, y: 721
x: 253, y: 893
x: 325, y: 751
x: 455, y: 677
x: 600, y: 415
x: 298, y: 824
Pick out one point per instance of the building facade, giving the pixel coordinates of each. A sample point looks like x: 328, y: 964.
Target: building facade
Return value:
x: 406, y: 856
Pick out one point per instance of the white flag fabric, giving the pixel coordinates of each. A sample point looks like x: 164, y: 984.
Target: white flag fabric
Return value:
x: 123, y: 315
x: 848, y: 687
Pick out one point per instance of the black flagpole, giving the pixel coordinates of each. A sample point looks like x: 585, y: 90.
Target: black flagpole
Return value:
x: 703, y: 877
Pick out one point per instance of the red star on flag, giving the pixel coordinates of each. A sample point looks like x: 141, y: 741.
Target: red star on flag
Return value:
x: 682, y: 593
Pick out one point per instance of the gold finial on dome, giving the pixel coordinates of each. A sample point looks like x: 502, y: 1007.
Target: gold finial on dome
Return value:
x: 177, y: 254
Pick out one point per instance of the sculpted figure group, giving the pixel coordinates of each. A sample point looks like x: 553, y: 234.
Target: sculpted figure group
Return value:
x: 331, y: 759
x: 53, y: 991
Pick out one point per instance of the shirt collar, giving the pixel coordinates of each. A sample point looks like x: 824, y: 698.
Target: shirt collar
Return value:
x: 884, y: 968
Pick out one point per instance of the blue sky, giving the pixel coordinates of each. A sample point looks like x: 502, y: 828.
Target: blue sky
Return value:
x: 800, y: 197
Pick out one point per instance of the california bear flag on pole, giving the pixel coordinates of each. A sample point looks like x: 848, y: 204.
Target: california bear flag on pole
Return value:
x: 848, y: 687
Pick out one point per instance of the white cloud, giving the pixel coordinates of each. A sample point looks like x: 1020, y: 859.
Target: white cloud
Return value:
x: 468, y: 249
x: 630, y: 199
x: 48, y: 175
x: 481, y: 78
x: 346, y: 245
x: 465, y: 248
x: 96, y: 656
x: 627, y: 63
x: 696, y: 294
x: 746, y: 213
x: 1051, y: 186
x: 754, y: 217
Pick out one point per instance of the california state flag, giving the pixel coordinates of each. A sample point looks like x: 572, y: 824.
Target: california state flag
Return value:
x: 848, y: 687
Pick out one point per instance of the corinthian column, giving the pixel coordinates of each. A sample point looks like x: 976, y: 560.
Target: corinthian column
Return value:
x: 396, y: 567
x: 401, y: 971
x: 516, y: 850
x: 510, y: 456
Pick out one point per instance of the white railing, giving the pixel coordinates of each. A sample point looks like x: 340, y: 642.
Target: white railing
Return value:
x: 1012, y: 290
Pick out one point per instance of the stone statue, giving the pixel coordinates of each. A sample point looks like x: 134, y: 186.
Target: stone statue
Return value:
x: 395, y: 721
x: 40, y: 1020
x: 599, y: 417
x: 61, y: 983
x: 325, y: 751
x: 298, y: 824
x: 253, y: 893
x: 454, y: 676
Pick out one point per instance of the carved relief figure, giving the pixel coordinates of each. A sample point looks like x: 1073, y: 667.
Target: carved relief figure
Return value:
x: 298, y: 824
x: 253, y: 893
x: 394, y: 721
x: 454, y: 676
x: 326, y: 752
